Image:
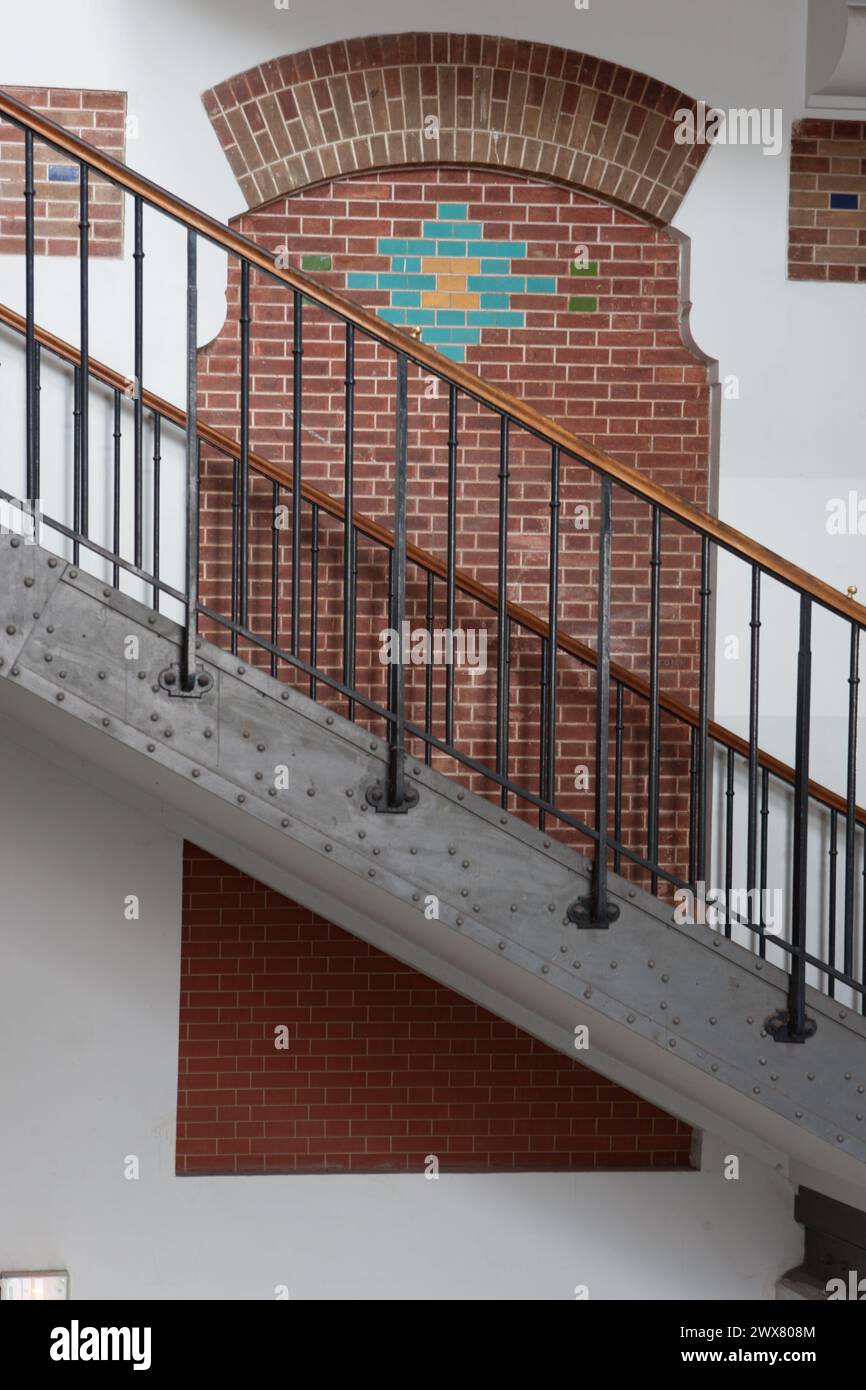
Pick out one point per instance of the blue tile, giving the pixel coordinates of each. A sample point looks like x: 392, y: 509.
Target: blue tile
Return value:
x: 495, y: 301
x: 406, y: 299
x: 402, y: 263
x: 451, y: 248
x: 453, y: 212
x: 62, y: 173
x: 360, y: 280
x: 541, y: 284
x: 492, y: 318
x: 452, y: 335
x: 456, y: 354
x: 844, y: 202
x: 495, y: 267
x: 420, y: 247
x: 393, y: 315
x: 514, y: 250
x: 451, y: 317
x: 514, y: 284
x: 420, y: 317
x: 467, y: 230
x: 387, y: 281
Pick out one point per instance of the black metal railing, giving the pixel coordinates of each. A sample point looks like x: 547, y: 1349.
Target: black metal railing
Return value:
x: 668, y: 853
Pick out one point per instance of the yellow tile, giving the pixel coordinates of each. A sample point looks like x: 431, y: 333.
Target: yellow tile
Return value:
x: 435, y: 299
x: 465, y: 301
x: 451, y: 282
x: 434, y: 265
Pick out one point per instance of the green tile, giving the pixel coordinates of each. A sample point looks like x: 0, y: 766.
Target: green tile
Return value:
x: 583, y: 303
x: 314, y: 263
x: 591, y: 268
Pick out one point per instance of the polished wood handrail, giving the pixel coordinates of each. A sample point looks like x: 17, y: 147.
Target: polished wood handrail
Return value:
x: 425, y: 559
x: 719, y: 531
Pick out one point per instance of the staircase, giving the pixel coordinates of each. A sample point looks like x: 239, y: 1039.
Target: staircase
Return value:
x: 412, y: 806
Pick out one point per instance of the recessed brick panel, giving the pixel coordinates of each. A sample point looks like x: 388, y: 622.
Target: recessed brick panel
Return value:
x: 827, y: 214
x: 99, y: 117
x: 383, y: 1066
x: 404, y: 99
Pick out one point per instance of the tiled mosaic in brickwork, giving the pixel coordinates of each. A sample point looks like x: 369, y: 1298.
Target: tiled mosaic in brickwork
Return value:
x: 100, y: 119
x: 827, y: 216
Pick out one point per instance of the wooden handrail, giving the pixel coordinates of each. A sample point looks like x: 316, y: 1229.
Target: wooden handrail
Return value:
x: 719, y: 531
x: 425, y: 559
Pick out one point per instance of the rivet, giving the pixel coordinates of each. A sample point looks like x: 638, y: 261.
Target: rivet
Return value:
x: 714, y: 1066
x: 672, y: 1042
x: 52, y: 563
x: 259, y: 776
x: 373, y: 747
x: 774, y: 1076
x: 62, y: 675
x: 311, y: 791
x: 713, y: 1021
x: 371, y: 873
x: 49, y: 627
x: 260, y: 747
x: 451, y: 849
x: 413, y: 850
x: 464, y: 864
x: 665, y: 979
x: 613, y: 965
x: 15, y: 542
x: 417, y: 772
x: 242, y: 670
x: 632, y: 892
x: 377, y: 850
x: 245, y: 734
x: 717, y: 942
x: 142, y: 675
x: 167, y: 733
x: 195, y: 772
x: 151, y: 620
x: 503, y: 820
x: 759, y: 965
x: 502, y: 946
x: 563, y: 950
x: 651, y: 964
x: 73, y: 574
x: 762, y: 1061
x: 10, y: 630
x: 840, y: 1139
x: 547, y: 844
x: 349, y: 791
x: 843, y: 1013
x: 36, y: 613
x: 513, y: 907
x: 756, y: 1090
x: 328, y: 848
x: 285, y: 695
x: 60, y: 696
x: 551, y: 907
x: 847, y: 1076
x: 587, y: 994
x: 151, y: 747
x: 764, y: 1033
x: 576, y: 964
x: 208, y: 733
x: 28, y: 583
x: 475, y: 907
x: 106, y: 593
x: 798, y: 1114
x: 860, y: 1090
x: 155, y: 689
x: 241, y: 798
x: 16, y: 670
x: 362, y: 834
x: 630, y: 1018
x: 460, y: 921
x: 48, y: 656
x: 810, y: 1076
x: 272, y: 791
x: 663, y: 1005
x: 106, y: 723
x: 750, y: 1019
x: 329, y: 719
x: 285, y: 823
x: 101, y: 675
x: 460, y: 796
x: 859, y: 1117
x: 675, y: 1021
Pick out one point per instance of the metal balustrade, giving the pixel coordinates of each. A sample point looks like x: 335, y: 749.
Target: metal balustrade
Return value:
x: 831, y: 952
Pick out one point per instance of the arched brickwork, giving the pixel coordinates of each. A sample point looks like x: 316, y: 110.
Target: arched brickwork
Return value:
x: 408, y: 99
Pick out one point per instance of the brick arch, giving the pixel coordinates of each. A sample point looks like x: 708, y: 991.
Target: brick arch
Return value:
x: 460, y: 99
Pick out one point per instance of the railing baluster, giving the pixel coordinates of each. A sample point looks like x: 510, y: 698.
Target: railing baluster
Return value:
x: 314, y: 598
x: 76, y: 461
x: 29, y: 298
x: 654, y: 715
x: 552, y: 626
x: 157, y: 462
x: 349, y: 541
x: 851, y: 806
x: 84, y: 297
x: 542, y: 733
x: 703, y: 713
x: 236, y: 524
x: 729, y: 839
x: 617, y: 785
x: 602, y: 913
x: 398, y: 797
x: 244, y: 478
x: 693, y: 808
x: 502, y: 612
x: 188, y: 666
x: 831, y: 907
x: 297, y: 388
x: 138, y: 384
x: 275, y: 574
x: 428, y: 675
x: 115, y: 494
x: 765, y: 821
x: 451, y: 563
x: 754, y: 691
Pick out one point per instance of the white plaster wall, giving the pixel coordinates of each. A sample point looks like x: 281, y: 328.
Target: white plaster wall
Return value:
x: 88, y: 1070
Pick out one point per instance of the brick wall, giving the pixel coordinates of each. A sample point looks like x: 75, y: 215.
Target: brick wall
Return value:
x: 827, y: 215
x: 383, y: 1066
x: 98, y: 117
x: 569, y: 303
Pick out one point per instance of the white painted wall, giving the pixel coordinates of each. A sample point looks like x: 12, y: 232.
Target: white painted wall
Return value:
x: 88, y: 1073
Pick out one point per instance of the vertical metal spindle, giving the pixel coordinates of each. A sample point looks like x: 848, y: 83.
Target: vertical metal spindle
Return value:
x: 506, y: 710
x: 244, y: 477
x: 84, y: 298
x: 729, y: 839
x: 451, y: 562
x: 502, y: 607
x: 754, y: 688
x: 795, y: 1030
x: 654, y: 713
x: 552, y: 626
x: 115, y: 494
x: 29, y: 298
x: 138, y: 385
x: 831, y: 907
x: 851, y: 802
x: 396, y: 798
x: 297, y: 387
x: 765, y: 825
x: 617, y: 785
x: 703, y: 713
x: 236, y: 530
x: 314, y: 597
x: 428, y: 676
x: 693, y: 808
x: 275, y: 573
x: 188, y: 667
x: 601, y: 914
x: 157, y: 467
x: 349, y: 539
x: 76, y: 460
x: 542, y: 733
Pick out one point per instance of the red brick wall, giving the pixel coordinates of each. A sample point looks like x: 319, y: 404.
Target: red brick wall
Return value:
x: 100, y: 119
x: 827, y: 211
x: 383, y: 1067
x: 600, y: 352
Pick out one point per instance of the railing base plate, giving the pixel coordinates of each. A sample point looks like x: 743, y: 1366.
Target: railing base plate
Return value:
x: 582, y: 914
x: 779, y: 1028
x: 170, y: 680
x: 377, y: 797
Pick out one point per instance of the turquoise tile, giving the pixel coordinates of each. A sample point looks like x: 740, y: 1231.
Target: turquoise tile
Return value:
x: 515, y: 284
x: 453, y: 212
x: 451, y: 248
x: 387, y: 281
x: 418, y: 318
x: 495, y: 267
x: 402, y: 263
x: 452, y: 335
x: 406, y: 299
x: 502, y: 318
x: 452, y: 350
x: 360, y: 280
x: 451, y: 317
x: 419, y: 247
x: 495, y: 301
x: 394, y: 246
x: 470, y: 230
x: 514, y: 250
x: 541, y: 284
x: 393, y: 315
